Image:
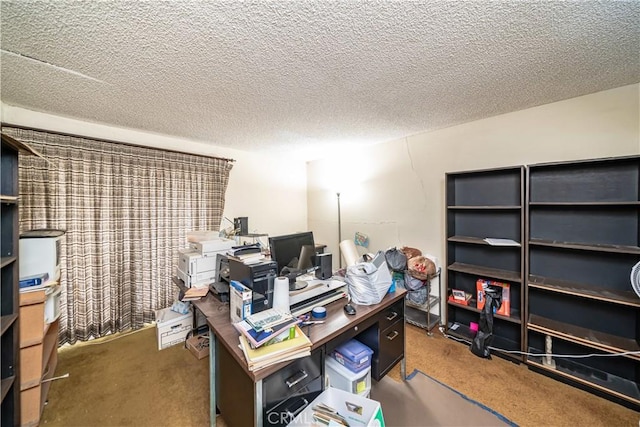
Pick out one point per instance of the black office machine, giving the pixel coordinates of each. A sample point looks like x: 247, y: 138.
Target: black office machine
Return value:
x: 259, y: 278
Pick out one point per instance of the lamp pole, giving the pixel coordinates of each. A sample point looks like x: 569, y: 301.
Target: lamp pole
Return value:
x: 339, y: 234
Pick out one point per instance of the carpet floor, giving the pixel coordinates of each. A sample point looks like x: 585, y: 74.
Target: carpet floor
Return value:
x: 125, y: 380
x: 423, y: 401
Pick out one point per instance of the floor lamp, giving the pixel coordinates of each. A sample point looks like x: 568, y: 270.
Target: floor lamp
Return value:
x: 339, y: 234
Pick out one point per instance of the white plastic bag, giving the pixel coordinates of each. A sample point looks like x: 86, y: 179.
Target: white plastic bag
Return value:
x: 369, y: 282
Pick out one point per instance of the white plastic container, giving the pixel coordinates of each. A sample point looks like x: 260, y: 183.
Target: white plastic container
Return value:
x: 52, y: 304
x: 342, y: 378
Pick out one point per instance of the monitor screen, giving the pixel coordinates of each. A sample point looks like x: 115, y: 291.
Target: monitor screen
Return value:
x: 295, y: 252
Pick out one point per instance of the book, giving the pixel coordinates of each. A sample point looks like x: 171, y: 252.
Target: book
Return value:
x: 266, y: 355
x: 283, y: 358
x: 252, y: 258
x: 268, y: 335
x: 501, y: 242
x: 35, y: 280
x: 268, y: 318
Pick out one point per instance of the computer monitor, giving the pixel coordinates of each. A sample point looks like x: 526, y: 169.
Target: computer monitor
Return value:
x: 295, y: 254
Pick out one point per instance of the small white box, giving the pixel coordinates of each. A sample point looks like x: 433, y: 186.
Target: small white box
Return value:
x: 52, y: 304
x: 339, y: 376
x: 239, y: 301
x: 171, y: 327
x: 357, y: 410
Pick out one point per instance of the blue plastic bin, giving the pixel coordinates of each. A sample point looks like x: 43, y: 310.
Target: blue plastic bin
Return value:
x: 354, y: 355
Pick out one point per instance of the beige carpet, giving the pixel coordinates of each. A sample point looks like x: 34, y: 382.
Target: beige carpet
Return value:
x: 422, y: 401
x: 126, y: 381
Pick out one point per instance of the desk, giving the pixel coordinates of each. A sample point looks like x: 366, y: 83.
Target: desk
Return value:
x: 244, y: 397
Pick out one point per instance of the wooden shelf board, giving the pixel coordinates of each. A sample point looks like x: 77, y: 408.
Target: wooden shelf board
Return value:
x: 5, y: 386
x: 585, y: 291
x: 587, y: 204
x: 6, y: 260
x: 50, y: 342
x: 514, y: 318
x: 587, y: 337
x: 487, y: 207
x: 465, y: 333
x: 419, y: 318
x: 430, y: 303
x: 478, y: 241
x: 467, y: 239
x: 8, y: 199
x: 496, y: 273
x: 6, y: 322
x: 19, y: 145
x: 622, y: 249
x: 581, y: 381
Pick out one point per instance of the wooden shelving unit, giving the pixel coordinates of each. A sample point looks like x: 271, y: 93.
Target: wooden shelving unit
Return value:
x: 583, y: 233
x: 486, y: 204
x: 9, y: 325
x: 9, y: 298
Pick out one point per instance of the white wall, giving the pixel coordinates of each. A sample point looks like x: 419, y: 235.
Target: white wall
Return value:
x: 397, y: 188
x: 270, y: 191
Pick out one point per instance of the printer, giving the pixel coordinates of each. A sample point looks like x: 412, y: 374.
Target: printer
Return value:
x: 197, y: 264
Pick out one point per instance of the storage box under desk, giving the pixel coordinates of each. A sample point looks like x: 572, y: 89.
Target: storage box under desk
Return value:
x: 31, y: 317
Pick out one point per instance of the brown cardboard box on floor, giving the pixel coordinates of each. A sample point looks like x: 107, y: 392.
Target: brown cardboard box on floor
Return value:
x: 199, y: 346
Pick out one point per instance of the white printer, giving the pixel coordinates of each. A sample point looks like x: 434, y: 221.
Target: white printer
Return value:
x: 197, y: 265
x: 212, y: 247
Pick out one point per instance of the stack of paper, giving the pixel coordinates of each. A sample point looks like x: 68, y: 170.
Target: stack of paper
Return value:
x: 293, y: 347
x: 275, y: 332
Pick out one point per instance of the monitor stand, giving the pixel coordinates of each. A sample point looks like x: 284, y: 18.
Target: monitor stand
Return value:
x: 297, y: 285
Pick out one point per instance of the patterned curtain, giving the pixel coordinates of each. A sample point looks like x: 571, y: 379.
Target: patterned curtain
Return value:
x: 126, y: 211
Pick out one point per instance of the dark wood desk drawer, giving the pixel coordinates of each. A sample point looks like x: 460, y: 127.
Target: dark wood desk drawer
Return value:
x: 391, y: 315
x: 293, y: 377
x: 282, y: 413
x: 387, y: 345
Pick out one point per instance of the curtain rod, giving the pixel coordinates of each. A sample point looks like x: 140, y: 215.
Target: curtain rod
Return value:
x: 111, y: 141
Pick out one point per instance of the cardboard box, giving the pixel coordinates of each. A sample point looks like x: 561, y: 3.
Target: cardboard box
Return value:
x: 357, y: 410
x: 172, y: 328
x: 199, y: 346
x: 505, y: 308
x: 239, y: 301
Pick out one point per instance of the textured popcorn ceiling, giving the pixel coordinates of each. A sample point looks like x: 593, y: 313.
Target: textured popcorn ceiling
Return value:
x: 309, y: 75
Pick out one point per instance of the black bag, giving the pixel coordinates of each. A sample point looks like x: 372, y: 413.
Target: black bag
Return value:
x: 396, y: 260
x: 484, y: 337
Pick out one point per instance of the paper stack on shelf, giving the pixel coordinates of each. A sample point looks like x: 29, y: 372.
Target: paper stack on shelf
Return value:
x: 248, y: 254
x: 290, y: 348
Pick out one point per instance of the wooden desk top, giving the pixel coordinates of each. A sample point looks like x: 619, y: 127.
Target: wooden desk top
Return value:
x: 336, y: 323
